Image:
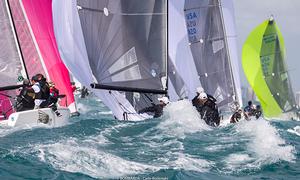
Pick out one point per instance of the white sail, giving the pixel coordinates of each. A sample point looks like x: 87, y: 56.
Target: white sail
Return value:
x: 230, y: 29
x: 179, y: 50
x: 73, y: 52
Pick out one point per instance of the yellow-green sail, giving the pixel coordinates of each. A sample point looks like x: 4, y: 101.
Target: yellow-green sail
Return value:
x: 263, y: 60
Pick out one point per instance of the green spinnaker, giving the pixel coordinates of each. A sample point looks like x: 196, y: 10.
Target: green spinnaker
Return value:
x: 263, y: 60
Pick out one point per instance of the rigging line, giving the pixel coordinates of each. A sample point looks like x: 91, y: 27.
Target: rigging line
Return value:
x: 148, y: 98
x: 202, y: 7
x: 125, y: 109
x: 11, y: 108
x: 6, y: 95
x: 123, y: 14
x: 213, y: 39
x: 269, y: 54
x: 211, y: 73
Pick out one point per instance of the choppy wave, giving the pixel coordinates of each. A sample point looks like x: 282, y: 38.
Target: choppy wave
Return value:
x: 178, y: 146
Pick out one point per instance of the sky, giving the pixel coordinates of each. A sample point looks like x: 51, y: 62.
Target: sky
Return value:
x: 251, y: 13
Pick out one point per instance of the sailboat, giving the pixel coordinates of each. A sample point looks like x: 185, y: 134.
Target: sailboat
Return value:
x: 263, y: 60
x: 38, y: 15
x: 212, y: 38
x: 119, y: 47
x: 13, y: 69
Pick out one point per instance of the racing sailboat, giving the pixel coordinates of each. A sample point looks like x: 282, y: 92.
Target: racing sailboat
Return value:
x: 13, y: 70
x: 263, y: 60
x: 212, y: 38
x: 118, y: 46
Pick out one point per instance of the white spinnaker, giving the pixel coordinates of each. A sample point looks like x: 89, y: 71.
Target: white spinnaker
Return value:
x: 73, y: 52
x: 230, y: 29
x: 179, y: 50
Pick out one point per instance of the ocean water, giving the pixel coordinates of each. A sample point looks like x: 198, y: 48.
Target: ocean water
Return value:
x: 177, y: 146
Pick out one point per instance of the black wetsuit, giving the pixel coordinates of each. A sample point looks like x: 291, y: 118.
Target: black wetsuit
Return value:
x: 257, y: 113
x: 250, y: 110
x: 84, y: 92
x: 235, y: 117
x: 25, y: 99
x: 208, y: 111
x: 157, y: 109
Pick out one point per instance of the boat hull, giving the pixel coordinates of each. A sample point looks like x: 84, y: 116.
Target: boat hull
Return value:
x: 36, y: 117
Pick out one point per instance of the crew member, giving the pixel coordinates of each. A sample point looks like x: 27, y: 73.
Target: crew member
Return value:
x: 157, y: 109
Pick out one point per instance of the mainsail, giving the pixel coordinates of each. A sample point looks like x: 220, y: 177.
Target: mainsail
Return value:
x: 126, y: 43
x: 265, y: 68
x: 74, y: 52
x: 12, y: 70
x: 211, y: 32
x: 27, y: 42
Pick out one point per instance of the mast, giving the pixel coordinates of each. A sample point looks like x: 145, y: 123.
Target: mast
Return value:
x: 167, y: 47
x: 16, y: 37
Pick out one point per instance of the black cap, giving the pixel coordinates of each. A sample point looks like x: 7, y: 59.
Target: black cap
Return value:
x: 35, y: 78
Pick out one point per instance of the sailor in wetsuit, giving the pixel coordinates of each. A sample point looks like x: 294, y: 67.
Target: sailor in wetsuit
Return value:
x: 257, y: 112
x: 199, y: 91
x: 207, y: 108
x: 237, y: 116
x: 25, y: 99
x: 250, y: 109
x: 157, y: 109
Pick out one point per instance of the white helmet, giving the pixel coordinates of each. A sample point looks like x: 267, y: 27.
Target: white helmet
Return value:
x: 165, y: 100
x: 200, y: 90
x: 202, y: 95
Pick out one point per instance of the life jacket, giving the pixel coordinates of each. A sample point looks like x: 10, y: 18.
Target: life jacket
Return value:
x: 39, y: 94
x: 45, y: 90
x: 25, y: 99
x: 54, y: 92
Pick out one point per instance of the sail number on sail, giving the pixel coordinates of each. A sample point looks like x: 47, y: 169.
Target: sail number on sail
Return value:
x: 191, y: 22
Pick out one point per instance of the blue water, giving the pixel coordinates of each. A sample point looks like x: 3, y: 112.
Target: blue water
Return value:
x: 177, y: 146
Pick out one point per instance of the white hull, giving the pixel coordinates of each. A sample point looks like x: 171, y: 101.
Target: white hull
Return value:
x: 35, y: 117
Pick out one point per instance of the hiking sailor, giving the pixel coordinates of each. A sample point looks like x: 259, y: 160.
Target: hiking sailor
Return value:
x: 25, y: 99
x: 257, y: 112
x: 157, y: 109
x: 53, y: 98
x: 198, y: 92
x: 207, y: 108
x: 250, y: 109
x: 238, y: 115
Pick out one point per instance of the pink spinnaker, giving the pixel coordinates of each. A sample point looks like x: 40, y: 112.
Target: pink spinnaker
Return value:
x: 39, y: 14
